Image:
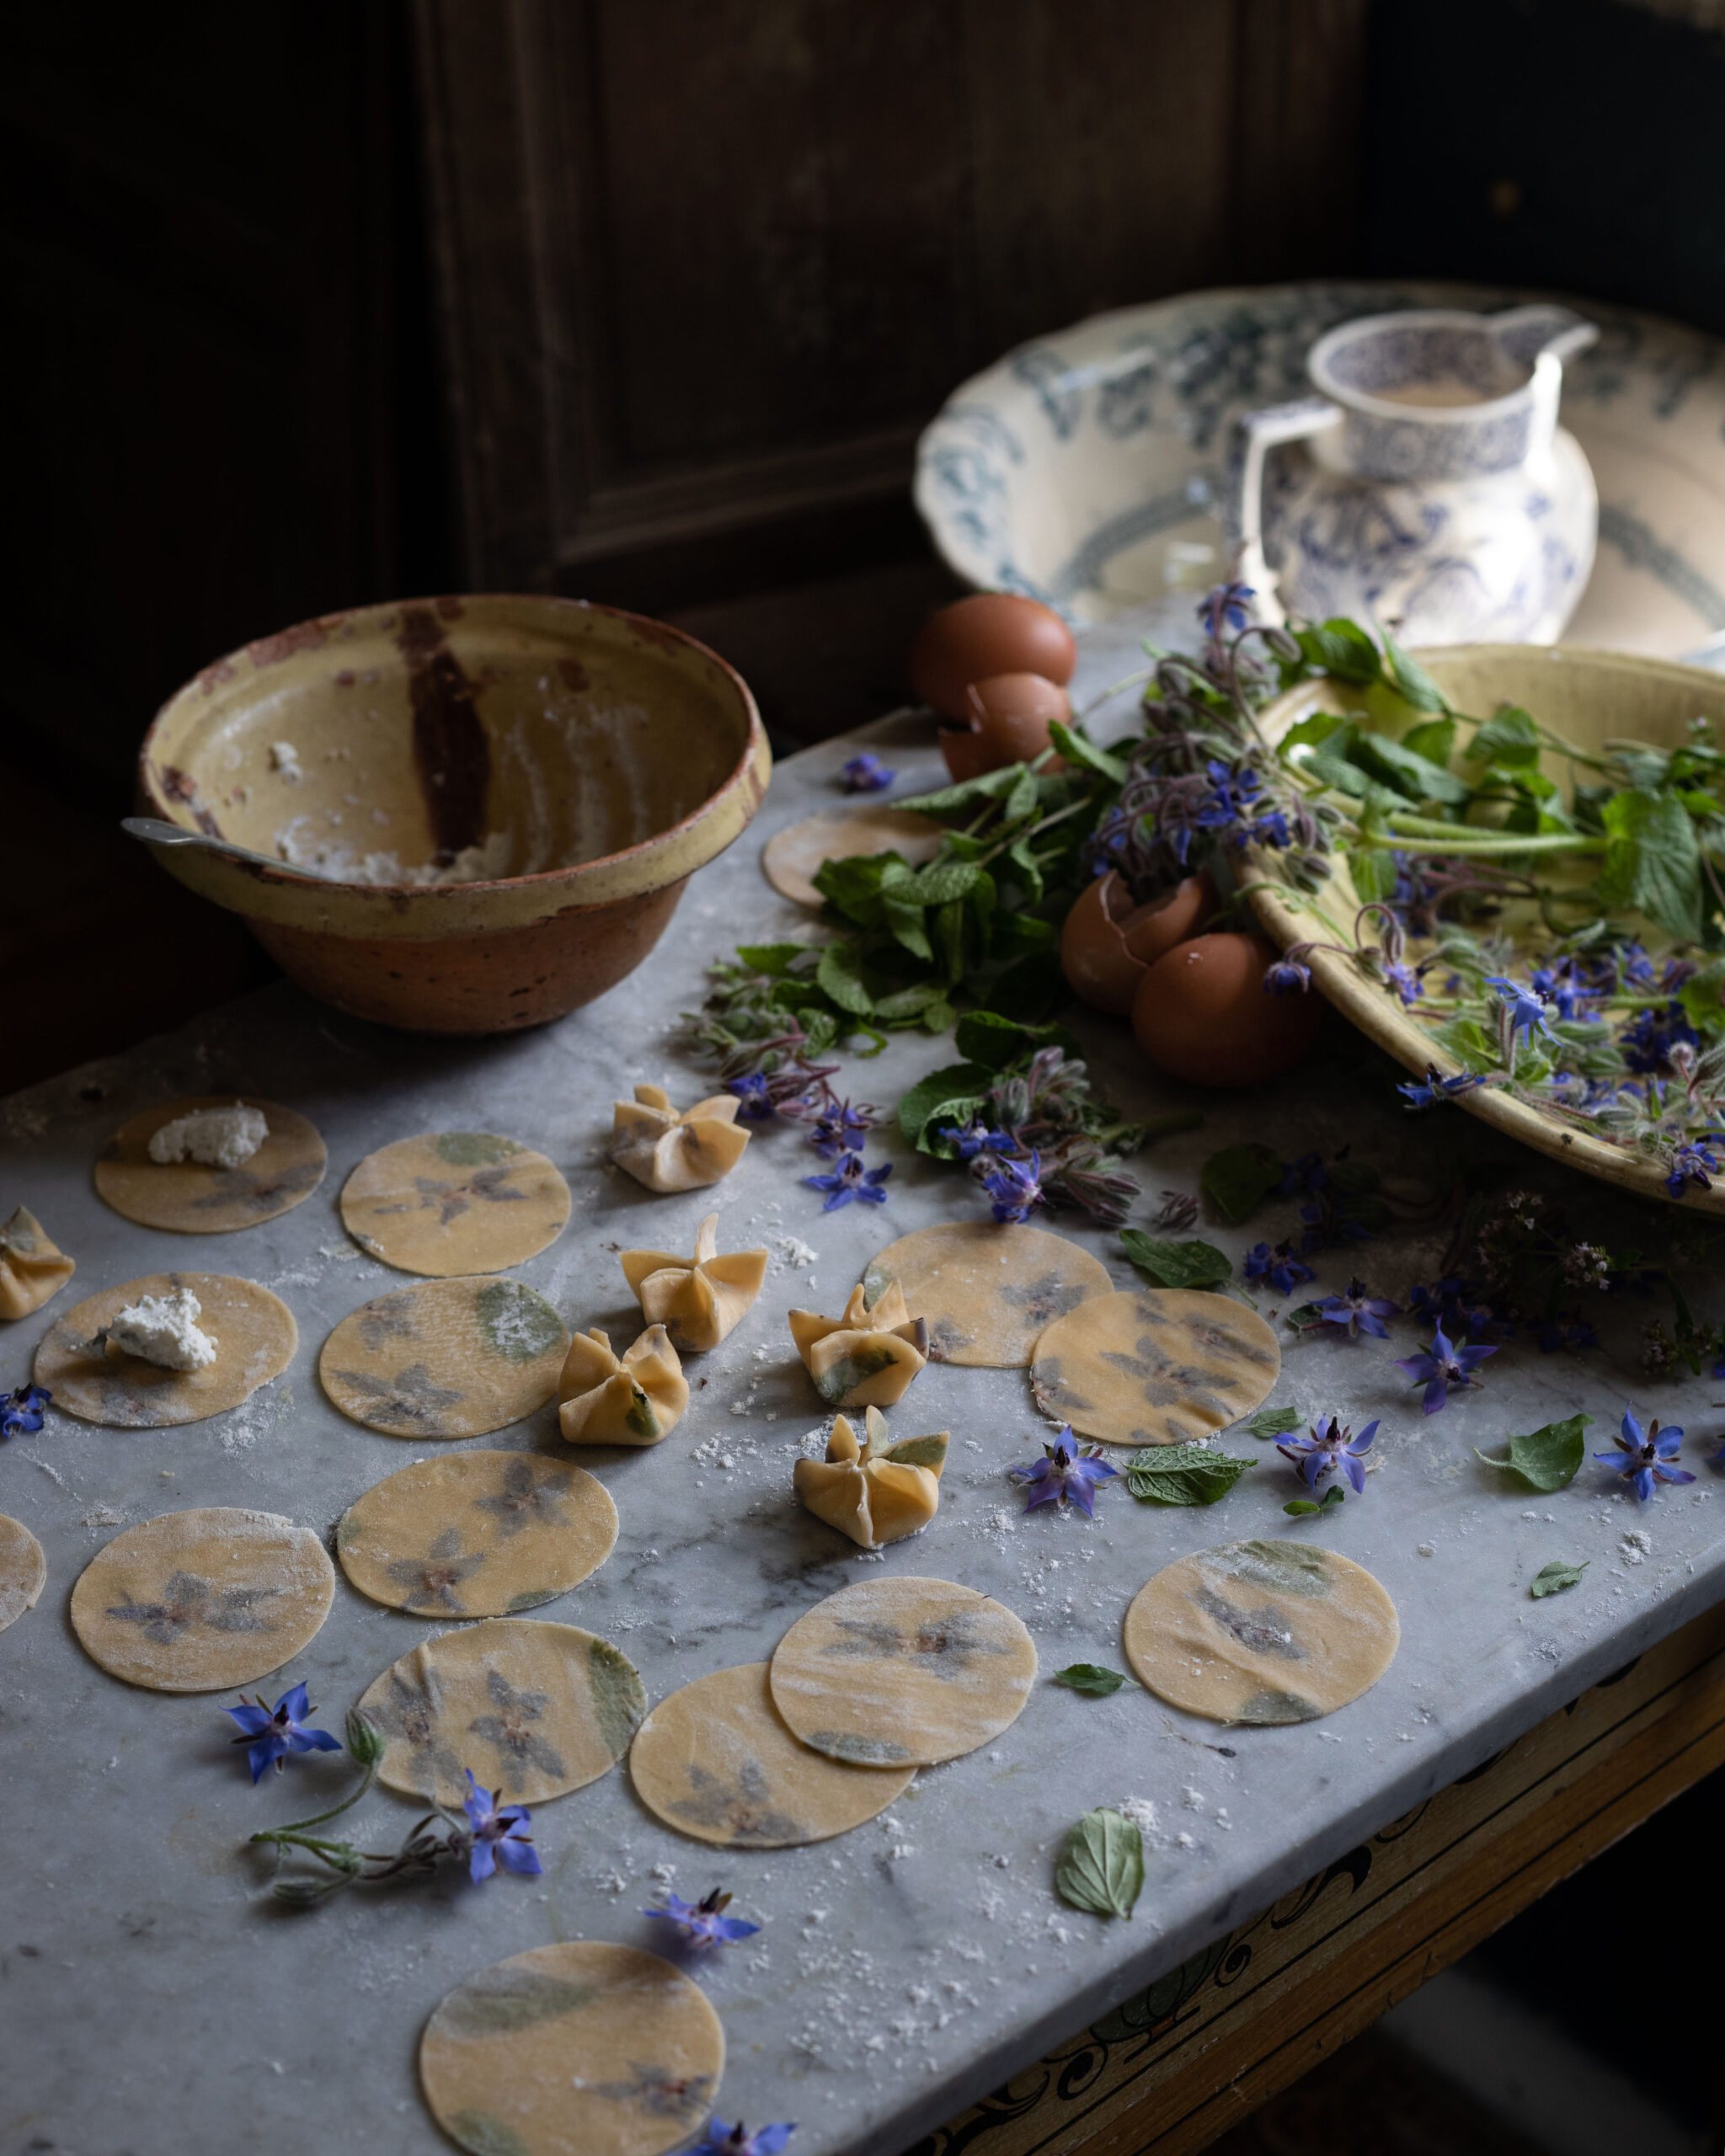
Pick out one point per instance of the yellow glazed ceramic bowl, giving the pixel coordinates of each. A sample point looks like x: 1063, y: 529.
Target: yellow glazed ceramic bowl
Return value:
x: 1587, y: 697
x: 578, y: 763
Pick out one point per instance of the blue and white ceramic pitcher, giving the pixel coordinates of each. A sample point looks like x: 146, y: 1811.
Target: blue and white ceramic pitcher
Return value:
x: 1428, y: 486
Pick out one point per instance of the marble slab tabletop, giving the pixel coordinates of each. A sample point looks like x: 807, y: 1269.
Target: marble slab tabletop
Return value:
x: 153, y: 1998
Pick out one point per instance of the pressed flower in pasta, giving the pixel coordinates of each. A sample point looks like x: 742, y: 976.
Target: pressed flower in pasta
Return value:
x: 273, y: 1734
x: 704, y: 1923
x: 1064, y: 1475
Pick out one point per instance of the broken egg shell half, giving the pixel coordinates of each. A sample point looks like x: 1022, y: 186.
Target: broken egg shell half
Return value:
x: 1007, y: 722
x: 1202, y: 1013
x: 991, y: 632
x: 1108, y: 944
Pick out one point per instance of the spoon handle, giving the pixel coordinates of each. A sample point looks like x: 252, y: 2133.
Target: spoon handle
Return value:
x: 153, y: 831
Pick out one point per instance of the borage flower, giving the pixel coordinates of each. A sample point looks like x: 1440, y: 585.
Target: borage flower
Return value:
x: 1225, y: 607
x: 865, y: 774
x: 1406, y: 982
x: 704, y: 1923
x: 22, y: 1410
x: 1328, y: 1447
x: 1435, y: 1087
x: 722, y: 2140
x: 1178, y: 1213
x: 1646, y: 1457
x: 851, y: 1182
x: 1359, y: 1312
x: 1695, y: 1163
x: 1065, y: 1473
x: 840, y: 1129
x: 1527, y: 1014
x: 762, y: 1094
x: 977, y: 1138
x: 271, y: 1735
x: 498, y: 1838
x: 1287, y: 976
x: 1278, y: 1268
x: 1441, y: 1365
x: 1016, y: 1187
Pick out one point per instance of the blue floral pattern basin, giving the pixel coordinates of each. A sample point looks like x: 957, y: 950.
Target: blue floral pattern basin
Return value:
x: 1090, y: 468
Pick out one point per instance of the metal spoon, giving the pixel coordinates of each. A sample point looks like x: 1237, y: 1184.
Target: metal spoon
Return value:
x: 155, y: 832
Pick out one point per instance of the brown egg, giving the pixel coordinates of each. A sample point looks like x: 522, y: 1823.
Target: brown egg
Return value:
x: 1009, y: 715
x: 1108, y: 944
x: 991, y: 633
x: 1201, y: 1013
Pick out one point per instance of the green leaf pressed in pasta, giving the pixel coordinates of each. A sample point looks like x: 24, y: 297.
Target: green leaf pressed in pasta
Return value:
x: 1176, y: 1264
x: 1553, y: 1578
x: 480, y: 2133
x: 619, y: 1697
x: 1548, y: 1457
x: 1089, y: 1678
x: 502, y: 1998
x: 1182, y: 1474
x: 475, y: 1149
x: 1284, y: 1567
x: 1275, y: 1422
x: 861, y: 1751
x: 919, y: 1452
x: 517, y: 1320
x: 532, y: 1598
x: 1238, y: 1179
x: 1101, y: 1868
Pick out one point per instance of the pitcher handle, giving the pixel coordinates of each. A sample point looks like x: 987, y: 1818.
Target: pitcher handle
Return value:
x: 1524, y: 332
x: 1256, y: 434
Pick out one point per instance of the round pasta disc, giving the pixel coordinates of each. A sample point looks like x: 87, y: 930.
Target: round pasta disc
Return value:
x: 24, y: 1570
x: 477, y: 1535
x: 985, y: 1292
x: 456, y: 1201
x: 449, y: 1358
x: 1155, y: 1366
x: 536, y: 1708
x: 790, y: 856
x: 903, y: 1673
x: 201, y: 1601
x: 717, y: 1762
x: 580, y: 2049
x: 189, y: 1198
x: 1262, y: 1632
x: 255, y: 1337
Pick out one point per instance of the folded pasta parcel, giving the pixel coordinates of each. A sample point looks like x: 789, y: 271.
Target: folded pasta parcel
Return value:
x: 634, y: 1399
x: 696, y: 1300
x: 667, y: 1151
x: 866, y: 1357
x: 31, y: 1269
x: 874, y: 1493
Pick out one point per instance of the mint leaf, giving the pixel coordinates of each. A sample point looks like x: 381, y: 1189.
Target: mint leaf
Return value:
x: 1412, y: 683
x: 1090, y: 1678
x: 953, y: 1095
x: 1178, y: 1264
x: 1238, y: 1179
x: 775, y: 959
x: 1433, y: 738
x: 1301, y: 1506
x: 1343, y: 648
x: 996, y: 1041
x: 1553, y: 1578
x: 1510, y: 738
x: 1308, y: 732
x: 1548, y: 1457
x: 1651, y: 860
x: 839, y: 973
x: 1182, y: 1474
x: 1077, y: 748
x: 1408, y: 772
x: 1275, y: 1422
x: 1101, y: 1869
x: 1373, y: 868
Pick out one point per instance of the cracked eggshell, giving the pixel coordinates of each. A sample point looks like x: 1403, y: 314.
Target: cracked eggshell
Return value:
x: 664, y: 1151
x: 989, y: 633
x: 875, y: 1492
x: 697, y: 1300
x: 632, y: 1400
x: 33, y: 1269
x: 1108, y: 944
x: 865, y: 1359
x: 1202, y: 1013
x: 1155, y: 1366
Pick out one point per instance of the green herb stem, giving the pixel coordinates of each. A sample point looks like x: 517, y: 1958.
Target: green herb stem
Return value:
x: 298, y: 1827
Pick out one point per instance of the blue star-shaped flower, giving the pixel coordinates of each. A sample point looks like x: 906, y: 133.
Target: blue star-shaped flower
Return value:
x: 722, y: 2140
x: 1441, y: 1365
x: 849, y: 1182
x: 1016, y: 1187
x: 1527, y: 1014
x: 1224, y: 606
x: 704, y: 1923
x: 1695, y: 1163
x: 1406, y: 982
x: 977, y: 1138
x: 271, y: 1735
x: 1359, y: 1312
x: 1435, y: 1087
x: 498, y: 1838
x: 1063, y: 1474
x: 754, y: 1101
x: 1328, y: 1447
x: 1645, y: 1458
x: 1287, y: 976
x: 840, y: 1129
x: 22, y: 1410
x: 865, y: 774
x: 1278, y: 1268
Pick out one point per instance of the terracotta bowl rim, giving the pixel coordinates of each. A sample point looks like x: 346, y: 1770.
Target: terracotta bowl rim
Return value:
x: 163, y: 804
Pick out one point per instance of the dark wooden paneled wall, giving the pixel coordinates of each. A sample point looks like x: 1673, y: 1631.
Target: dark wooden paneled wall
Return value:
x: 707, y: 265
